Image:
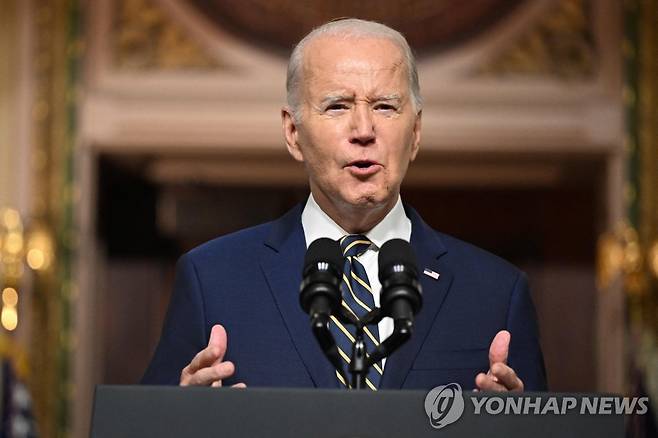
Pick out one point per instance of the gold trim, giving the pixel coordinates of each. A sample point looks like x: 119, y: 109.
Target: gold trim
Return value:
x: 146, y: 38
x: 647, y: 305
x: 51, y: 134
x: 560, y: 44
x: 620, y: 254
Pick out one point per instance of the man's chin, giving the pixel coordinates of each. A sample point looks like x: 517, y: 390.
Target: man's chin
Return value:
x: 369, y: 201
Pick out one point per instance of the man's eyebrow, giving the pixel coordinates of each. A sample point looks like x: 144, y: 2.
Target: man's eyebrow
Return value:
x: 387, y: 97
x: 335, y: 98
x: 332, y: 98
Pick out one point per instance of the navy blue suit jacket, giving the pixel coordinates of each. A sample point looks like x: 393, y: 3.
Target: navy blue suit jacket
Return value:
x: 248, y: 281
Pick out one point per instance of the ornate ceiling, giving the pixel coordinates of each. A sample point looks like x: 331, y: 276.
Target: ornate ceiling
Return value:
x: 429, y: 25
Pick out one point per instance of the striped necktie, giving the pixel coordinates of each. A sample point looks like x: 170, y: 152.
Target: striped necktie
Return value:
x: 358, y: 300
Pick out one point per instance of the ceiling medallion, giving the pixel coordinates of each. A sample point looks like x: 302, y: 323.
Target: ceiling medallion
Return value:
x: 429, y: 25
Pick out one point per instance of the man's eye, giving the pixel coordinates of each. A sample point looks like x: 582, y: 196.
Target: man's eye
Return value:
x: 385, y: 107
x: 336, y: 107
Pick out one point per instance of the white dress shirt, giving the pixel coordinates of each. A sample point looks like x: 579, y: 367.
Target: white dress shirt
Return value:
x: 395, y: 225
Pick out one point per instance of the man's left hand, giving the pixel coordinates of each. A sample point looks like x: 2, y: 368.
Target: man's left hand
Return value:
x: 500, y: 376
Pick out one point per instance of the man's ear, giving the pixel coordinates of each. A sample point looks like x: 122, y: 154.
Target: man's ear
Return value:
x: 291, y: 134
x: 415, y: 145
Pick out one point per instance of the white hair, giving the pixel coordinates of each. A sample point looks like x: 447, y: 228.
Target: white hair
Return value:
x: 349, y: 28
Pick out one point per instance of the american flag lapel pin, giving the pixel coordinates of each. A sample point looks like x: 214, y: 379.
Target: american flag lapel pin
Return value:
x: 430, y: 273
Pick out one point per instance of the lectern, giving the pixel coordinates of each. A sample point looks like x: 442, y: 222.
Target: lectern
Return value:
x: 152, y: 411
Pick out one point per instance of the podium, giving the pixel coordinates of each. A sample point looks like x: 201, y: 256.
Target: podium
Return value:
x: 157, y: 411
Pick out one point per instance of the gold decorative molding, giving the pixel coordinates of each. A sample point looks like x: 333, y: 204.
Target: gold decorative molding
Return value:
x: 55, y: 56
x: 145, y: 37
x: 621, y: 254
x: 644, y: 311
x: 559, y: 44
x: 640, y: 94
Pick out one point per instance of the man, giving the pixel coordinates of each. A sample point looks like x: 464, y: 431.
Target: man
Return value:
x: 353, y: 118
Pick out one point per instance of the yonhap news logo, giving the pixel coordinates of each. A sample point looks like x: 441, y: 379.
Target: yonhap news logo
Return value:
x: 586, y: 405
x: 445, y: 405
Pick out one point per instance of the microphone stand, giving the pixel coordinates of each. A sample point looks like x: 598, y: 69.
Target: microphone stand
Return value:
x: 321, y: 331
x: 361, y: 361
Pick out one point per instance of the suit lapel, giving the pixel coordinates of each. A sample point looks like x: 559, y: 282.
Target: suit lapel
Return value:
x: 428, y: 248
x: 281, y: 261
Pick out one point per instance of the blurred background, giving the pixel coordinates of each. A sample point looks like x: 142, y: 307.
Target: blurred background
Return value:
x: 133, y: 130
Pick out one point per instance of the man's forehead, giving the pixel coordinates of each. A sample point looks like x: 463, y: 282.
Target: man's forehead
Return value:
x: 334, y: 62
x: 352, y: 52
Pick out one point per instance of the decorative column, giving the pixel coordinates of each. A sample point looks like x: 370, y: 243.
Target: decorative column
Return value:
x: 57, y: 50
x: 630, y: 251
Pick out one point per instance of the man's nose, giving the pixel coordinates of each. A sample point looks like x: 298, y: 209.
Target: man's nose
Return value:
x: 362, y: 126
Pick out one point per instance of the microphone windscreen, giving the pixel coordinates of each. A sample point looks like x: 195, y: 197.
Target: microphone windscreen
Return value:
x: 396, y: 252
x: 324, y: 250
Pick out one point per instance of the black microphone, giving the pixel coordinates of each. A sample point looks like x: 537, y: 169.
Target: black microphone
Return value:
x: 320, y: 288
x: 400, y: 297
x: 320, y: 294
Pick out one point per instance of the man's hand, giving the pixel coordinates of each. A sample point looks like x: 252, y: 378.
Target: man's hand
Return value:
x: 207, y: 367
x: 500, y: 376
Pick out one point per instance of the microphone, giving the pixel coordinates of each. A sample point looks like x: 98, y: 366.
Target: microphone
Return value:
x: 320, y: 293
x: 400, y: 297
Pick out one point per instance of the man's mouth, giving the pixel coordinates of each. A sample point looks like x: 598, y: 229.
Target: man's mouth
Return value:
x: 363, y: 167
x: 363, y: 164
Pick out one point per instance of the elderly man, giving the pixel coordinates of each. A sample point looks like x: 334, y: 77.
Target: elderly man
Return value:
x: 353, y: 119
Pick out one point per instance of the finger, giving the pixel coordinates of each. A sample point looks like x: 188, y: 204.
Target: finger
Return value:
x: 203, y: 359
x: 499, y: 348
x: 209, y: 375
x: 486, y: 382
x: 507, y: 377
x: 218, y: 340
x: 218, y: 384
x: 212, y: 353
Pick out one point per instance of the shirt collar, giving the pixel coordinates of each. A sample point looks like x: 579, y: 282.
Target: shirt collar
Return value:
x: 317, y: 224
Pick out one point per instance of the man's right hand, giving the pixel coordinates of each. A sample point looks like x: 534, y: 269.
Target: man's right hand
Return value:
x: 208, y: 368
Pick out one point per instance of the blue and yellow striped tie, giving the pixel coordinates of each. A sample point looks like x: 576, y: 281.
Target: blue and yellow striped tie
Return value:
x: 358, y: 300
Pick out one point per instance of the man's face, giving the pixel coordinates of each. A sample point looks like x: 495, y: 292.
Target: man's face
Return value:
x: 358, y: 130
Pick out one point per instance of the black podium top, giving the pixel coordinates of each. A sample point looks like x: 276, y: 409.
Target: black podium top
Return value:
x: 143, y: 411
